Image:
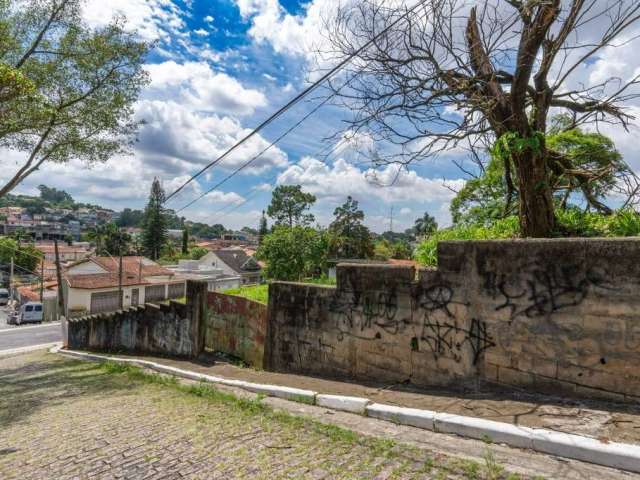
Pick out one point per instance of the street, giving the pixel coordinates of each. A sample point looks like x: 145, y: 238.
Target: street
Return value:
x: 13, y: 336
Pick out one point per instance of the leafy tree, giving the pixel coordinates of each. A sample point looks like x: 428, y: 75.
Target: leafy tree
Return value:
x: 425, y: 225
x: 185, y: 241
x: 293, y: 253
x: 385, y: 249
x: 349, y: 237
x: 154, y: 235
x: 263, y: 228
x: 130, y: 218
x: 196, y: 253
x: 473, y: 73
x: 109, y: 239
x: 66, y: 90
x: 54, y: 196
x: 289, y: 205
x: 484, y: 199
x: 25, y: 256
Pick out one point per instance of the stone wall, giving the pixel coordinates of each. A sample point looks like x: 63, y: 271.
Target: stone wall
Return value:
x: 236, y: 326
x: 561, y: 316
x: 168, y: 328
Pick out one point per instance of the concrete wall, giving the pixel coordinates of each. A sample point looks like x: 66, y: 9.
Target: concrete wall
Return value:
x: 168, y: 329
x: 561, y: 316
x: 236, y: 326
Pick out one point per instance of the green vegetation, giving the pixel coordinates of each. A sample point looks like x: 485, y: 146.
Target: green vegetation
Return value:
x: 571, y: 222
x: 257, y: 293
x: 293, y: 253
x: 67, y: 89
x: 154, y: 235
x: 289, y: 206
x: 348, y: 236
x: 25, y: 256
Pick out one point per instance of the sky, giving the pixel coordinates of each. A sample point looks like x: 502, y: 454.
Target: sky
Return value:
x: 219, y: 68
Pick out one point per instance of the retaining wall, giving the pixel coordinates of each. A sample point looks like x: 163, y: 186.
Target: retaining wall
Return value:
x: 167, y: 328
x: 560, y: 316
x: 236, y: 326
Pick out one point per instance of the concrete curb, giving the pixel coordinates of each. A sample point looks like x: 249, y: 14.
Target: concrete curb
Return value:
x: 616, y: 455
x: 30, y: 348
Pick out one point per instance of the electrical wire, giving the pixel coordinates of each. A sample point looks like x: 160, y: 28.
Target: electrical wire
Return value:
x: 296, y: 99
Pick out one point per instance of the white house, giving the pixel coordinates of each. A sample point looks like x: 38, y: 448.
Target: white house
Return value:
x: 216, y: 279
x: 235, y: 262
x: 92, y: 285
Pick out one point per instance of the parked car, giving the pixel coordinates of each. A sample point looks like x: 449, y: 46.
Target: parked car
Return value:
x: 4, y: 296
x: 30, y: 312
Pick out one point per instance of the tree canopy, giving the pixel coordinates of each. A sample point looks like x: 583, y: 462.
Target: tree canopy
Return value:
x: 349, y: 237
x: 290, y: 205
x: 67, y: 90
x: 154, y: 234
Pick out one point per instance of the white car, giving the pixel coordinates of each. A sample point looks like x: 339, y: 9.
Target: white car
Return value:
x: 30, y: 312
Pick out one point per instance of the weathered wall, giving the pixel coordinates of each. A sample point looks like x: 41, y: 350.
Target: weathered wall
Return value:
x: 551, y: 315
x: 169, y: 329
x: 236, y: 326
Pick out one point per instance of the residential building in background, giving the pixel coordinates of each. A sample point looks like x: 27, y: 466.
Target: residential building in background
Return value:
x: 234, y: 261
x: 217, y: 280
x: 92, y: 285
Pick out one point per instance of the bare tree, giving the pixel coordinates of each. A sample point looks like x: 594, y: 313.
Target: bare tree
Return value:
x: 456, y: 73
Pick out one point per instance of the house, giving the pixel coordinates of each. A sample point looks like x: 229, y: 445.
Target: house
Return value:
x: 67, y: 253
x: 93, y: 285
x: 233, y: 261
x: 216, y: 279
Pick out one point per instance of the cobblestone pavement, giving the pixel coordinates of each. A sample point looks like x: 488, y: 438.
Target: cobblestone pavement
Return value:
x: 63, y: 419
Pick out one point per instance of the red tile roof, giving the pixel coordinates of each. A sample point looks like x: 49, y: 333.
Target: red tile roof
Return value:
x: 132, y: 265
x: 103, y: 280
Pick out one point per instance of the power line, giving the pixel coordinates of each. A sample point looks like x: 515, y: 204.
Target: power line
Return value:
x: 255, y: 157
x: 295, y: 100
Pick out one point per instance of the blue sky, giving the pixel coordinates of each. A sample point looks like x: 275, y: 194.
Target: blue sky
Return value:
x: 219, y: 68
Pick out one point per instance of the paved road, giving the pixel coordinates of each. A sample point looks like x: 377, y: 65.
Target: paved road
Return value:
x: 13, y: 336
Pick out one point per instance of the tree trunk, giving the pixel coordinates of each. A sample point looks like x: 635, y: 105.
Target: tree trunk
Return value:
x: 536, y: 200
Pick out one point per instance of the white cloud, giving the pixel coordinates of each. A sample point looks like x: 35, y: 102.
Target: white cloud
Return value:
x: 405, y: 211
x: 201, y: 32
x: 209, y: 19
x: 196, y: 85
x: 386, y: 184
x: 182, y: 140
x: 150, y: 19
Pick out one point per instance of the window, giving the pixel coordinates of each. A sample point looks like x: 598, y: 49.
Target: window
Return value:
x: 29, y: 308
x: 38, y: 308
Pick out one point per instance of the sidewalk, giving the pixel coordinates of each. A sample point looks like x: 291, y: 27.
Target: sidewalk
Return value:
x: 597, y: 419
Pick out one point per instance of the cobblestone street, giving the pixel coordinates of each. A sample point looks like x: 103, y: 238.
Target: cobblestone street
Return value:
x: 62, y: 419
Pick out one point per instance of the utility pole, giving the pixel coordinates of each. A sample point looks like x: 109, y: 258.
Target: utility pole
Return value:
x: 120, y: 272
x: 42, y: 280
x: 11, y: 279
x: 391, y: 220
x: 59, y: 278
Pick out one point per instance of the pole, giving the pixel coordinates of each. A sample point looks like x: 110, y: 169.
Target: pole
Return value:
x: 11, y: 279
x: 59, y: 278
x: 41, y: 280
x: 391, y: 220
x: 120, y: 272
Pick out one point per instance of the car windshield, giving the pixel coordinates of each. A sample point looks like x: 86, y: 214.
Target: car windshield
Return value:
x: 29, y: 308
x: 4, y: 295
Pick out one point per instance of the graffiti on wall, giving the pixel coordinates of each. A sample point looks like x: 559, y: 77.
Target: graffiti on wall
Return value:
x: 442, y: 333
x: 540, y: 290
x: 365, y: 314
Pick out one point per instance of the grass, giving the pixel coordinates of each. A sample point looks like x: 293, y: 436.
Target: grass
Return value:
x: 260, y: 293
x: 257, y: 293
x: 385, y: 448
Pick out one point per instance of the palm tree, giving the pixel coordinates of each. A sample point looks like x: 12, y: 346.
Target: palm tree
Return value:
x: 425, y: 225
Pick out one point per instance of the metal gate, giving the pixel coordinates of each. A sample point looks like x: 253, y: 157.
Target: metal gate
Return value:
x: 105, y: 301
x: 135, y: 296
x: 154, y: 293
x: 176, y: 290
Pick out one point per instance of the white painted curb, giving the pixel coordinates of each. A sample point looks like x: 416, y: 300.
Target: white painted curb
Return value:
x: 413, y: 417
x: 346, y: 404
x: 616, y: 455
x: 30, y: 348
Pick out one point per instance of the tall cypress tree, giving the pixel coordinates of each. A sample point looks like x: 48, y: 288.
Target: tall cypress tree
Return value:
x: 154, y: 235
x: 262, y: 228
